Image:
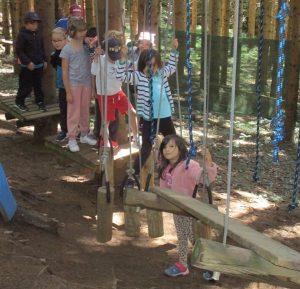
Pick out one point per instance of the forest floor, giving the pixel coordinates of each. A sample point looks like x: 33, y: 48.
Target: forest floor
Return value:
x: 34, y: 258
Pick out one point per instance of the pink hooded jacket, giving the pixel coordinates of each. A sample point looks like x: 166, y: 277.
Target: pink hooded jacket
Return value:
x: 185, y: 180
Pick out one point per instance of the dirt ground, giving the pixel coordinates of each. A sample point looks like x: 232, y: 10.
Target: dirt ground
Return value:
x: 34, y: 258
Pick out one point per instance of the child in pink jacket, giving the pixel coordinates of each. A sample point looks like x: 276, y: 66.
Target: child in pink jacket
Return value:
x: 173, y: 175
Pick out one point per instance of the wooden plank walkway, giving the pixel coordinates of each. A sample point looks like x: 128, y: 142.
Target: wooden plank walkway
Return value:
x: 8, y: 105
x: 86, y: 156
x: 269, y: 249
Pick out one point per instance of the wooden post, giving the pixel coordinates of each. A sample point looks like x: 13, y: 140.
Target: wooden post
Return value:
x: 132, y: 221
x: 104, y: 215
x: 154, y: 218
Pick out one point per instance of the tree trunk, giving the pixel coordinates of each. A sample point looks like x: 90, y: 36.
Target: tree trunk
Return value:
x: 23, y: 8
x: 134, y: 19
x: 31, y: 5
x: 143, y: 21
x: 66, y: 7
x: 45, y: 10
x: 251, y: 21
x: 180, y: 27
x: 194, y: 24
x: 59, y: 10
x: 90, y: 13
x: 267, y: 30
x: 225, y: 17
x: 216, y: 18
x: 293, y: 80
x: 180, y: 15
x: 194, y: 16
x: 114, y: 19
x: 5, y: 23
x: 14, y: 18
x: 240, y: 27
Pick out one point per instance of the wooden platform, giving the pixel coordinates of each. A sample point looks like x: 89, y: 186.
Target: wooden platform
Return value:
x: 89, y: 158
x: 8, y: 105
x: 273, y: 251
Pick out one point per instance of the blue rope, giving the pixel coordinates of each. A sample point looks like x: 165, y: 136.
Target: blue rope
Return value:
x: 258, y: 88
x: 277, y: 123
x: 150, y: 71
x: 193, y: 150
x: 294, y: 204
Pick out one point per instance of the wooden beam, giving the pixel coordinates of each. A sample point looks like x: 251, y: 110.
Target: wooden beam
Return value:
x: 148, y: 200
x: 241, y: 262
x: 269, y: 249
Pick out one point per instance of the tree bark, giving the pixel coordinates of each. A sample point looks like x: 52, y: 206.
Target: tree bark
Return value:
x: 134, y: 19
x: 143, y: 19
x: 66, y: 7
x: 45, y: 10
x: 23, y: 8
x: 293, y: 80
x: 90, y: 13
x: 114, y: 19
x: 14, y: 18
x: 59, y: 10
x: 216, y: 18
x: 194, y: 16
x: 251, y: 21
x: 5, y: 23
x: 225, y: 17
x: 267, y: 30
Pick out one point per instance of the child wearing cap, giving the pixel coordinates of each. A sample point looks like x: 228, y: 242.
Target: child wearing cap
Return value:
x: 31, y: 52
x: 116, y: 98
x: 74, y: 11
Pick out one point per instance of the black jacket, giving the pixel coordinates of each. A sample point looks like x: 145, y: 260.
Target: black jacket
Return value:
x: 30, y: 47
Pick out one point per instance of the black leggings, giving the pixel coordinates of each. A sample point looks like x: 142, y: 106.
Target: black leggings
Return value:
x: 166, y: 127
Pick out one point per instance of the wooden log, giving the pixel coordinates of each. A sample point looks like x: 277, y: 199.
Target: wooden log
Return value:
x: 38, y: 220
x: 243, y: 263
x: 269, y: 249
x: 148, y: 200
x: 132, y: 221
x: 104, y: 215
x: 154, y: 218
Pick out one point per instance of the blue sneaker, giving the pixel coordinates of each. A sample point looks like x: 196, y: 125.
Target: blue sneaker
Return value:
x: 208, y: 276
x: 61, y: 136
x: 177, y: 270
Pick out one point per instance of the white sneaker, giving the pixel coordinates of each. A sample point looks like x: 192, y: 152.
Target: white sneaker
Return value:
x: 137, y: 142
x: 73, y: 146
x: 87, y: 139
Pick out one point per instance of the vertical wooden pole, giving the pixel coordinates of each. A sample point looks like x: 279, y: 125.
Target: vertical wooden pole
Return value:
x: 104, y: 215
x: 154, y: 218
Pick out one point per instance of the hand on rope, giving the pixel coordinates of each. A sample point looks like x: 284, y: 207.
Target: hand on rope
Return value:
x: 191, y: 154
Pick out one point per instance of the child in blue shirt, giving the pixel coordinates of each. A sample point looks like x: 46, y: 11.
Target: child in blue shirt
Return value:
x: 59, y: 40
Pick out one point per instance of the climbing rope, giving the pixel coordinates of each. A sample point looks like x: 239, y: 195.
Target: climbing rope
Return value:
x: 277, y: 123
x: 150, y: 70
x: 258, y: 88
x: 234, y: 65
x: 177, y: 77
x: 160, y: 95
x: 193, y: 150
x: 294, y: 204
